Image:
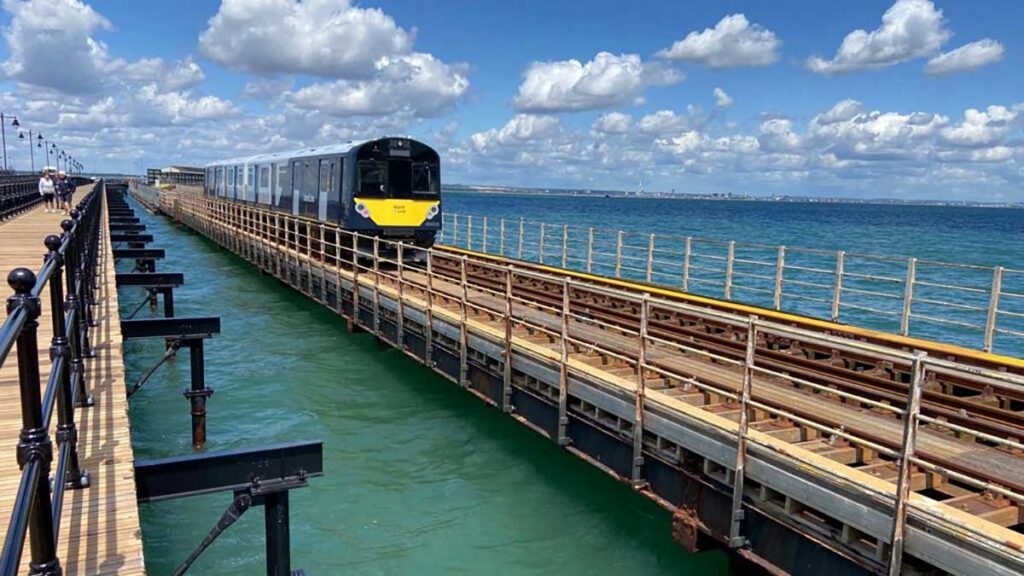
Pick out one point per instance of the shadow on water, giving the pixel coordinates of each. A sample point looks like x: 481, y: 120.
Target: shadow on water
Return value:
x: 421, y: 477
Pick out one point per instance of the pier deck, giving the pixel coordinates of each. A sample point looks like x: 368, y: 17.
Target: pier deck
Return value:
x: 99, y: 531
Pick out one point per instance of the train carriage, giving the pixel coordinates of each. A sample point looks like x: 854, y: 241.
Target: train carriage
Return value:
x: 387, y: 187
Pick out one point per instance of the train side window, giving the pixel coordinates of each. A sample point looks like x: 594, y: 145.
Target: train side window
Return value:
x: 372, y: 179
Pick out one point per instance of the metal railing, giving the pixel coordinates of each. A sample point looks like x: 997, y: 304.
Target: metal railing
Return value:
x: 70, y: 265
x: 976, y: 306
x: 18, y: 193
x: 465, y: 299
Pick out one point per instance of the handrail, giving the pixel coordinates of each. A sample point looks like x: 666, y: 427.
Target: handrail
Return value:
x: 71, y: 262
x: 18, y: 193
x: 891, y: 293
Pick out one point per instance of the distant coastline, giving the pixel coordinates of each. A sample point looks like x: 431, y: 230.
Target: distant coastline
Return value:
x: 559, y: 192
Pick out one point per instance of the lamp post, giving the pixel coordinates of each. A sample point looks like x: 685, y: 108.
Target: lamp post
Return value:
x: 3, y: 134
x: 31, y: 152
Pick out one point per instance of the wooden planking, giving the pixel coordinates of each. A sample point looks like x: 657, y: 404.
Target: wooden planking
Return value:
x: 100, y: 531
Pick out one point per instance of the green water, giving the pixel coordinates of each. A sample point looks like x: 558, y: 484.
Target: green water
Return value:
x: 421, y: 477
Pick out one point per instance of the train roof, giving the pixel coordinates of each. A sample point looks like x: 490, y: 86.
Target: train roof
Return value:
x: 300, y: 153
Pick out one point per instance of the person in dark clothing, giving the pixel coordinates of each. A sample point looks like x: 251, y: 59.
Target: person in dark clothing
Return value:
x: 64, y: 191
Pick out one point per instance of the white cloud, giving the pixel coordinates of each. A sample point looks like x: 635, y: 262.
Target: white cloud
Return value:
x: 965, y: 58
x: 846, y: 149
x: 177, y: 76
x: 47, y: 36
x: 722, y: 100
x: 732, y: 43
x: 982, y: 128
x: 613, y: 123
x: 267, y: 88
x: 520, y: 129
x: 607, y: 80
x: 329, y: 38
x: 663, y: 122
x: 910, y: 29
x: 416, y: 85
x: 841, y: 112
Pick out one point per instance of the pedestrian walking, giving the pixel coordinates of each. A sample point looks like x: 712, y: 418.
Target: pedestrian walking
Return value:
x: 64, y: 191
x: 47, y: 190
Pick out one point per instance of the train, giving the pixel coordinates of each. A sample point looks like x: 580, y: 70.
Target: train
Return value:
x: 388, y: 187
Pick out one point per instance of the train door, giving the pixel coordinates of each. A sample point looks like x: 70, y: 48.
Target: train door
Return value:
x: 309, y: 194
x: 263, y: 184
x: 330, y: 186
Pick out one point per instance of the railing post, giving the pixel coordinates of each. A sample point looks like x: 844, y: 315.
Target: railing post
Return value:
x: 641, y: 393
x: 736, y: 540
x: 463, y: 326
x: 541, y: 259
x: 469, y: 232
x: 501, y: 237
x: 590, y: 249
x: 400, y: 326
x: 354, y: 320
x: 687, y: 251
x: 780, y: 271
x: 910, y: 421
x: 730, y: 259
x: 837, y: 287
x: 74, y: 304
x: 506, y: 376
x: 522, y: 229
x: 908, y: 296
x: 484, y: 249
x: 34, y: 446
x: 376, y: 286
x: 563, y: 372
x: 455, y: 230
x: 428, y: 338
x: 993, y: 308
x: 618, y: 254
x: 650, y: 258
x: 60, y: 348
x: 565, y: 244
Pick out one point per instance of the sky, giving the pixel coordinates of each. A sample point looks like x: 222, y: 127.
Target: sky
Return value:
x: 880, y: 99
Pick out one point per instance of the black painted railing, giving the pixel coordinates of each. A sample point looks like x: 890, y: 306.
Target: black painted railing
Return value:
x: 18, y: 193
x: 70, y: 264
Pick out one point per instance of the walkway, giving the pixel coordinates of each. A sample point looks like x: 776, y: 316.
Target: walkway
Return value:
x: 99, y: 532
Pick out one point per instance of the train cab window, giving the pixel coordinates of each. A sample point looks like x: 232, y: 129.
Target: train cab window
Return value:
x: 425, y: 181
x: 399, y: 178
x: 373, y: 179
x: 264, y: 177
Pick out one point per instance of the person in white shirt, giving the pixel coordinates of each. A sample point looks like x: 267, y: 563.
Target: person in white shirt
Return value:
x: 47, y: 191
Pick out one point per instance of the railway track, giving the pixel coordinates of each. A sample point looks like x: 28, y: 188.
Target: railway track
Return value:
x: 831, y: 384
x: 993, y: 408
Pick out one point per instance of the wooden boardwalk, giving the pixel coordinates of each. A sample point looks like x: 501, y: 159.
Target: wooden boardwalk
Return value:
x: 99, y: 532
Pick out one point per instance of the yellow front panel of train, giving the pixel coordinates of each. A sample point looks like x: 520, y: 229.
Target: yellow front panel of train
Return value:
x: 395, y: 212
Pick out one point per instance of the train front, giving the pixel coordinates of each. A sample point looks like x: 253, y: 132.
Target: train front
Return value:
x: 397, y: 190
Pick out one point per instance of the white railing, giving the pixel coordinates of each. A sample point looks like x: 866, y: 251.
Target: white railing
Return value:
x: 976, y: 306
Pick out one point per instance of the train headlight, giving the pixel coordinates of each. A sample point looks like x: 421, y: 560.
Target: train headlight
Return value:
x: 433, y: 211
x: 363, y: 210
